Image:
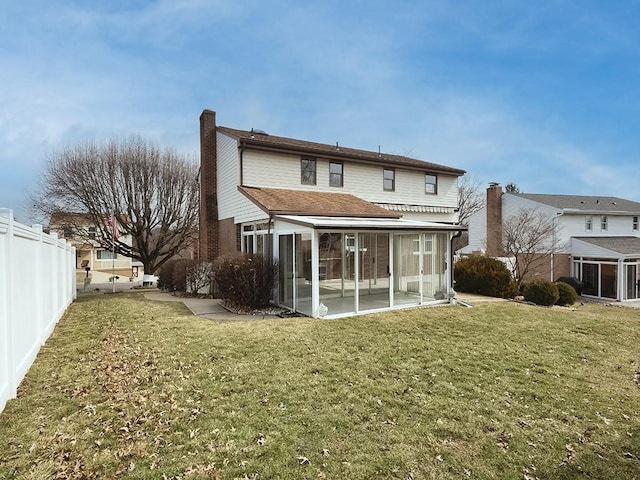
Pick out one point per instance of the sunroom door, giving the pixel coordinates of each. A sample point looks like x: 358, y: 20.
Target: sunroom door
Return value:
x: 373, y: 271
x: 407, y: 272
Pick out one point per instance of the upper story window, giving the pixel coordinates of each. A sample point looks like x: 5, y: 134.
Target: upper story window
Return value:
x: 92, y: 233
x: 67, y: 231
x: 430, y: 184
x: 389, y: 179
x: 308, y: 171
x: 635, y: 224
x: 588, y: 223
x: 335, y: 174
x: 603, y: 222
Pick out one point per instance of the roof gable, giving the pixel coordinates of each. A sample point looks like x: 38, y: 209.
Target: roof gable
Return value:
x: 278, y: 201
x: 258, y: 140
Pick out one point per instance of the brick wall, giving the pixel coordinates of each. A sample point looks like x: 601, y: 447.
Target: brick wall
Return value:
x: 494, y: 221
x: 209, y: 241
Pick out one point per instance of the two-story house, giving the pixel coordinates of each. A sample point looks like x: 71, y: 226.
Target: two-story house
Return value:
x: 598, y: 238
x: 92, y: 259
x: 353, y: 231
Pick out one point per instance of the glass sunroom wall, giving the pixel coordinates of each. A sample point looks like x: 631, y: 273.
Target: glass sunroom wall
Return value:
x: 303, y: 273
x: 434, y: 281
x: 406, y: 269
x: 373, y: 275
x: 336, y: 272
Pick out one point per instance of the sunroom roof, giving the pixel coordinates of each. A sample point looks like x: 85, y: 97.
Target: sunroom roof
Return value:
x: 367, y: 223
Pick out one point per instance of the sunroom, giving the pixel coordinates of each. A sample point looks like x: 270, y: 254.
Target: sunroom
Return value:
x: 609, y: 267
x: 348, y: 261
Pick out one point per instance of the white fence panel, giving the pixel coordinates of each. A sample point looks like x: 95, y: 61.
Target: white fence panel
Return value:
x: 37, y: 284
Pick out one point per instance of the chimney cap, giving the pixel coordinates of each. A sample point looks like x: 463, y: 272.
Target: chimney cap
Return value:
x: 494, y: 184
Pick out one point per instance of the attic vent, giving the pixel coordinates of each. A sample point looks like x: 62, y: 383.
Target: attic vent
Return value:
x: 614, y: 203
x: 257, y: 131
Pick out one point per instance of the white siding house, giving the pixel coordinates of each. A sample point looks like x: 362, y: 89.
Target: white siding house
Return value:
x: 597, y: 235
x: 353, y: 231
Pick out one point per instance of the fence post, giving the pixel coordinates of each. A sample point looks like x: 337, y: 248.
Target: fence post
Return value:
x: 7, y: 373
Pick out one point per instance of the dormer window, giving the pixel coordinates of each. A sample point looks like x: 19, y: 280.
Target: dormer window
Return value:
x: 430, y: 184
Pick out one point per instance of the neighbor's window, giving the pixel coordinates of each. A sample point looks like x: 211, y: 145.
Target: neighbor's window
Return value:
x: 67, y: 231
x: 603, y: 222
x: 635, y: 223
x: 588, y: 223
x: 106, y: 255
x: 430, y: 183
x: 92, y: 233
x: 335, y: 174
x: 389, y: 179
x: 308, y: 171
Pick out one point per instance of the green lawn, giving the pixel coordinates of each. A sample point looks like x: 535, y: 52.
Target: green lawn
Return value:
x: 128, y: 388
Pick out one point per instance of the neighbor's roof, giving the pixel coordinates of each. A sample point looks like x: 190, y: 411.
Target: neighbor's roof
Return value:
x: 278, y: 201
x: 583, y: 203
x: 622, y: 245
x: 271, y: 142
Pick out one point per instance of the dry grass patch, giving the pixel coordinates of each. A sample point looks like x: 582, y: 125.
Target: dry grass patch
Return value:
x: 127, y: 388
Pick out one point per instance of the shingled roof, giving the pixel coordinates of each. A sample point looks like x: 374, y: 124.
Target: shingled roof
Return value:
x: 584, y: 203
x: 261, y: 140
x: 278, y: 201
x: 622, y: 245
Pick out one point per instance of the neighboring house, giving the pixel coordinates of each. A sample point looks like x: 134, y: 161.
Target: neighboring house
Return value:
x: 598, y: 238
x: 92, y: 260
x: 353, y: 231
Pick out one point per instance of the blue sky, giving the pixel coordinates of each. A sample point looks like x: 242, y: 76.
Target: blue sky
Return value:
x: 544, y: 94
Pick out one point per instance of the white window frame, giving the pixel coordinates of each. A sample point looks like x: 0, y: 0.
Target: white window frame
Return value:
x: 588, y: 223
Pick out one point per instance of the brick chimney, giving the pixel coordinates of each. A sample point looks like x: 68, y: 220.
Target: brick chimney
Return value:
x: 494, y: 220
x: 209, y: 242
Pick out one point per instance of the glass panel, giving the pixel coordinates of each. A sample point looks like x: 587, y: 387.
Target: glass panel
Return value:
x: 631, y: 280
x: 303, y: 273
x: 285, y: 270
x: 335, y: 174
x: 308, y: 171
x: 590, y: 279
x: 608, y: 281
x: 373, y: 278
x: 434, y: 265
x: 335, y: 277
x: 406, y: 269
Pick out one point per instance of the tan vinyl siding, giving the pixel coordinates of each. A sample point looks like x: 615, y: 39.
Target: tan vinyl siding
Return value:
x: 264, y: 169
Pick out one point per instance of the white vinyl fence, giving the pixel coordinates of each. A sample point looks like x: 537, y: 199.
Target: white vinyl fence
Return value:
x: 37, y: 284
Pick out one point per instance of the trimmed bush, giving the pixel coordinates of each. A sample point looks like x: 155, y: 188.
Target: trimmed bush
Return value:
x: 246, y: 280
x: 567, y: 295
x: 484, y: 276
x: 541, y: 292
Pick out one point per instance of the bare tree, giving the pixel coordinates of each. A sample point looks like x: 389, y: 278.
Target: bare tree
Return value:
x: 153, y: 193
x: 511, y: 188
x: 471, y: 199
x: 529, y: 237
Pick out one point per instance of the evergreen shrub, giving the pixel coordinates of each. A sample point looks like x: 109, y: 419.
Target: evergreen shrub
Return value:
x: 567, y: 295
x: 484, y: 276
x: 541, y: 292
